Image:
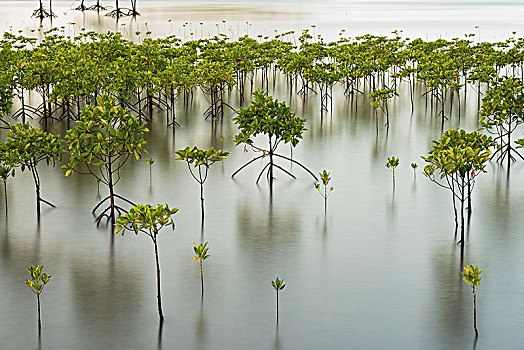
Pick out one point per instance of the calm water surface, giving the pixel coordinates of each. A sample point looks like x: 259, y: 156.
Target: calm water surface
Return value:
x: 380, y: 270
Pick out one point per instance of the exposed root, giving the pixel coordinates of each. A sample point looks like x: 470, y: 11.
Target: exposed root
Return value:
x: 95, y: 7
x: 81, y: 7
x: 123, y: 12
x: 42, y: 13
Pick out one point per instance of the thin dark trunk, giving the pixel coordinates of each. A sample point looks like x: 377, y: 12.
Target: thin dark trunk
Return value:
x: 469, y: 195
x: 202, y: 201
x: 270, y: 165
x: 202, y: 278
x: 454, y: 207
x: 111, y: 194
x: 475, y: 313
x: 411, y: 87
x: 150, y: 104
x: 277, y: 306
x: 37, y: 185
x: 325, y: 199
x: 462, y: 200
x: 393, y: 177
x: 509, y: 142
x: 5, y: 196
x: 159, y: 298
x: 39, y: 319
x: 23, y: 106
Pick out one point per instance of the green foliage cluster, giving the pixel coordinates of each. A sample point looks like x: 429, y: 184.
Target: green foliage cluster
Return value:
x: 37, y: 279
x: 459, y: 153
x: 26, y: 146
x: 454, y: 162
x: 266, y: 116
x: 199, y: 157
x: 147, y: 219
x: 380, y: 96
x: 105, y: 134
x: 68, y: 71
x: 502, y: 112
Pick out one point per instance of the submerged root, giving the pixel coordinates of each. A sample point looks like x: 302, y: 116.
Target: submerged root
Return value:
x: 81, y: 8
x: 120, y: 13
x: 42, y: 13
x: 95, y: 7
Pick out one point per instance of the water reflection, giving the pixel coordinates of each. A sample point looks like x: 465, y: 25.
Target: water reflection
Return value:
x: 160, y: 328
x: 264, y: 231
x: 449, y: 295
x: 104, y: 290
x: 201, y: 328
x: 276, y: 342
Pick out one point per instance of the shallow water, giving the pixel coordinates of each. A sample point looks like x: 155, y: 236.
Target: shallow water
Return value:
x: 491, y: 20
x: 379, y: 270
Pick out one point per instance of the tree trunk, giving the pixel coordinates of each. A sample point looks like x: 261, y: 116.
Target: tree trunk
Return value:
x: 39, y: 320
x: 462, y: 200
x: 475, y: 313
x: 509, y: 143
x: 469, y: 195
x: 150, y: 104
x: 5, y: 195
x: 277, y: 305
x: 202, y: 201
x: 111, y: 194
x: 270, y: 165
x: 202, y: 278
x: 325, y: 199
x: 393, y: 177
x: 159, y: 298
x: 37, y: 186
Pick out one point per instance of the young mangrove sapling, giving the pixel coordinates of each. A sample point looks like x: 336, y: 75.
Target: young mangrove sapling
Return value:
x: 414, y: 166
x: 392, y: 164
x: 149, y: 220
x: 471, y: 275
x: 201, y: 159
x: 100, y: 144
x: 26, y: 147
x: 278, y: 285
x: 201, y: 255
x: 274, y: 119
x: 324, y: 176
x: 37, y: 281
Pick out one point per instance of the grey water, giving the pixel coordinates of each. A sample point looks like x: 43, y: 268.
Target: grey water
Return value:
x: 379, y: 270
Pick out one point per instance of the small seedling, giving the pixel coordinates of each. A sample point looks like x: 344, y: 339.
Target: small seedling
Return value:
x: 324, y: 176
x: 278, y: 285
x: 391, y: 164
x: 414, y: 166
x: 37, y: 281
x: 471, y: 275
x: 150, y: 161
x: 200, y: 256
